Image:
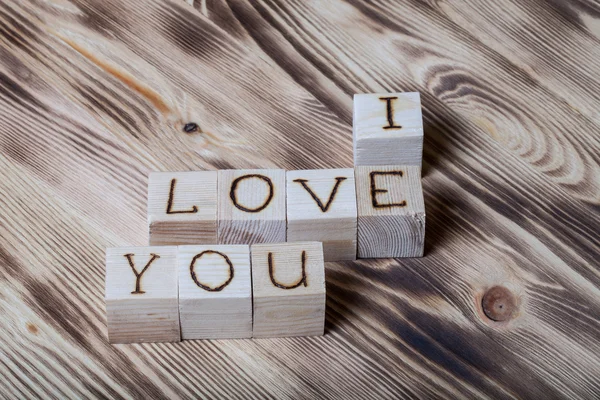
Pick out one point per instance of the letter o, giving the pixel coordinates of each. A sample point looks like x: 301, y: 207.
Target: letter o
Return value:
x: 233, y: 195
x: 206, y: 287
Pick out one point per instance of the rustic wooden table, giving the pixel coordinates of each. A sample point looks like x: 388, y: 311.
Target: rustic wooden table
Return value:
x: 95, y: 94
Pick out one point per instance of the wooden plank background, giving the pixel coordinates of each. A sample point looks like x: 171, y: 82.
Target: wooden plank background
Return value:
x: 94, y: 95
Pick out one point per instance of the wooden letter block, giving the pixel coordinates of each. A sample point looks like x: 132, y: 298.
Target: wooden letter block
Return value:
x: 141, y: 294
x: 252, y: 206
x: 182, y: 207
x: 288, y: 281
x: 388, y: 129
x: 391, y: 211
x: 321, y: 206
x: 215, y: 292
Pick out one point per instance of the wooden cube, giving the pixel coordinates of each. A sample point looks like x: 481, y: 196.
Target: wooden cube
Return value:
x: 288, y: 281
x: 215, y: 292
x: 321, y: 206
x: 388, y: 129
x: 182, y: 207
x: 251, y: 206
x: 391, y: 211
x: 141, y: 294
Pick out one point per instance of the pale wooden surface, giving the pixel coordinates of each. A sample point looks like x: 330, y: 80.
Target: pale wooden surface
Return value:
x: 288, y: 289
x: 94, y: 95
x: 142, y: 306
x: 387, y: 129
x: 182, y: 208
x: 391, y: 211
x: 215, y: 314
x: 331, y: 220
x: 251, y: 206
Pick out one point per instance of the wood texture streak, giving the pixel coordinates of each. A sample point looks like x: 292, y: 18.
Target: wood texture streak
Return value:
x: 95, y: 94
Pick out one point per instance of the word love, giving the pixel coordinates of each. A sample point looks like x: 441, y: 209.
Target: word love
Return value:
x: 169, y: 293
x: 373, y: 211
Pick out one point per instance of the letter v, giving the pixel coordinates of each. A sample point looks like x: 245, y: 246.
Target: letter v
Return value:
x: 325, y: 207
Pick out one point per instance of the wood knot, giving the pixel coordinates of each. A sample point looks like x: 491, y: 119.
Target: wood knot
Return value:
x: 190, y: 127
x: 498, y: 303
x: 32, y: 328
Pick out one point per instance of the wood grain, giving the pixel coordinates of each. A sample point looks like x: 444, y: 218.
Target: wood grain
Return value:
x: 141, y: 294
x: 182, y: 208
x: 288, y: 289
x: 391, y: 211
x: 251, y: 206
x: 387, y: 129
x: 94, y: 95
x: 321, y: 206
x: 215, y: 291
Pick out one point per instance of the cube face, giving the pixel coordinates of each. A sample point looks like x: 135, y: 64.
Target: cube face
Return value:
x: 321, y: 206
x: 388, y: 129
x: 251, y: 206
x: 141, y: 294
x: 391, y: 211
x: 215, y: 292
x: 288, y: 281
x: 182, y: 207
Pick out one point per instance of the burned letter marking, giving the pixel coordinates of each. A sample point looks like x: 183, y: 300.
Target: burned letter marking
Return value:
x: 375, y: 190
x: 138, y: 276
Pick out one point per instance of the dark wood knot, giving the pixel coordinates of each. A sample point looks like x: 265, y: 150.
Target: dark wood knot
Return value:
x: 499, y: 303
x: 190, y: 127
